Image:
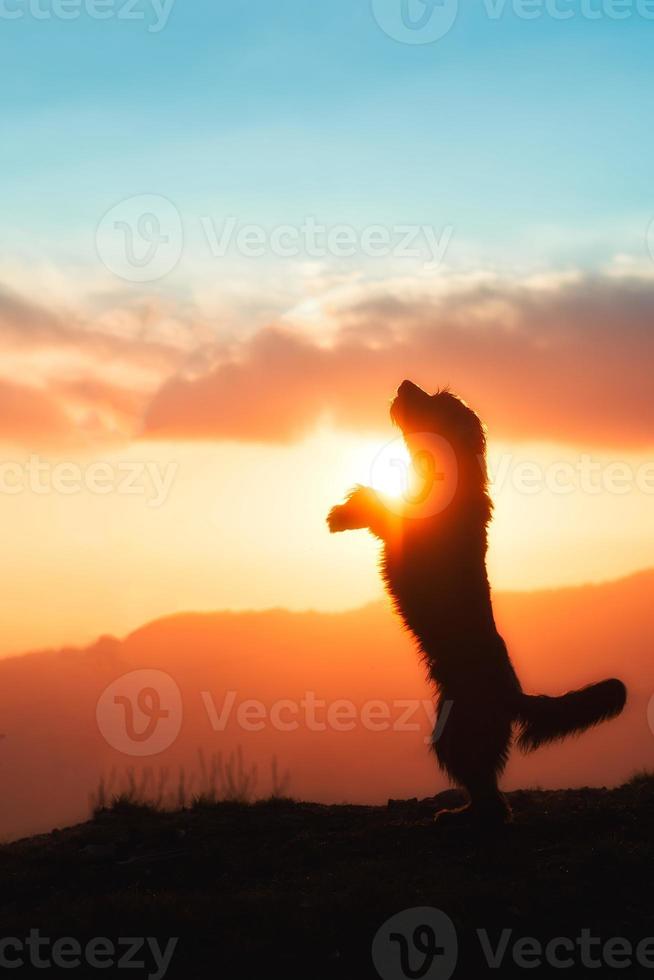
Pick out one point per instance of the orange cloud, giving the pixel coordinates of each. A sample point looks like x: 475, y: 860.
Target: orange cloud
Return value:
x: 31, y: 415
x: 571, y: 362
x: 72, y: 380
x: 562, y: 361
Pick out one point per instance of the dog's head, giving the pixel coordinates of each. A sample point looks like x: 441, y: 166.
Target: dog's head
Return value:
x: 442, y: 414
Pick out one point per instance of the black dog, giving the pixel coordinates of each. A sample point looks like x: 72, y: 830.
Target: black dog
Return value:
x: 434, y: 566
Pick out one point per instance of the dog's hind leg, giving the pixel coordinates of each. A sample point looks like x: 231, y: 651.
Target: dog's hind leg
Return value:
x: 487, y: 806
x: 472, y: 748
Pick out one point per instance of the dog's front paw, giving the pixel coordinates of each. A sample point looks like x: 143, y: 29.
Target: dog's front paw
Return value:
x: 337, y: 519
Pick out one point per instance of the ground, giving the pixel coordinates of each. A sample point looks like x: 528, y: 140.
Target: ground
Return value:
x: 296, y: 889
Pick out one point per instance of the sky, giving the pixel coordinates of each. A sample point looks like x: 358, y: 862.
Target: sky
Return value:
x: 230, y: 230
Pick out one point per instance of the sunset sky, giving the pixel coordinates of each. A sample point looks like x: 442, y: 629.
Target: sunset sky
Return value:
x: 210, y: 405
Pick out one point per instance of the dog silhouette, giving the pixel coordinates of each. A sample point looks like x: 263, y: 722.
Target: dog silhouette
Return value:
x: 434, y: 567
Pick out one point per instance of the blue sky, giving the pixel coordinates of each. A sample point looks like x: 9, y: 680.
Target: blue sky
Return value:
x: 521, y: 133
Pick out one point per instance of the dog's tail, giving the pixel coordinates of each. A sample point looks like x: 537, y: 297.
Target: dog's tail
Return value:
x: 543, y: 719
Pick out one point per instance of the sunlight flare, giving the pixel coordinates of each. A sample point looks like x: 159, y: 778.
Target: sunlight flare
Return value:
x: 390, y: 467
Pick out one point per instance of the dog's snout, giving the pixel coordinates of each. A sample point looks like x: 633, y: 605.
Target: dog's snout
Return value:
x: 408, y: 390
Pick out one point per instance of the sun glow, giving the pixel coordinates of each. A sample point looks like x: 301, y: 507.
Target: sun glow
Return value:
x: 390, y: 466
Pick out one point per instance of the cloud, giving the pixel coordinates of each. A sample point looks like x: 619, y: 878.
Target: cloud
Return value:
x: 31, y: 415
x: 142, y: 332
x: 567, y: 360
x: 73, y: 379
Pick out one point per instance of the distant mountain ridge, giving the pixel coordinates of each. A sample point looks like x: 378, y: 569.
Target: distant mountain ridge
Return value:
x: 54, y: 753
